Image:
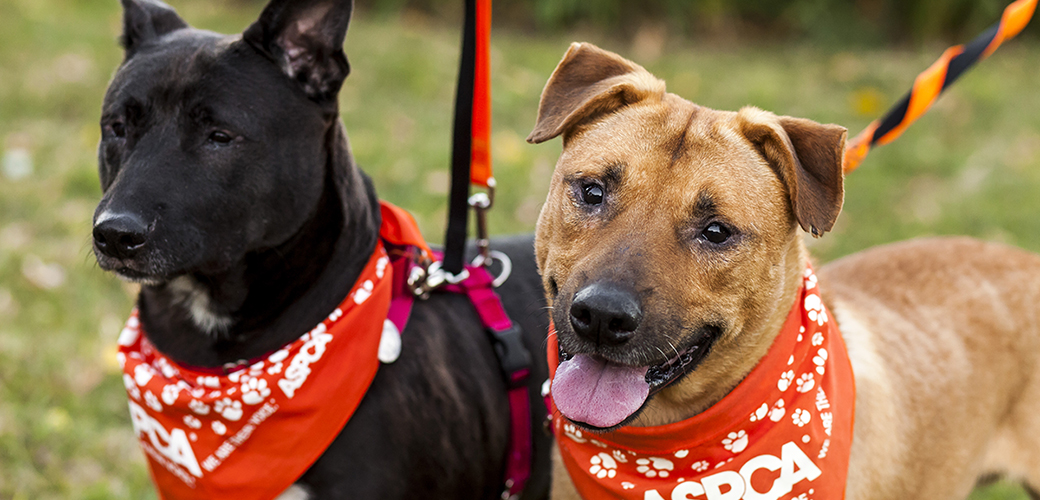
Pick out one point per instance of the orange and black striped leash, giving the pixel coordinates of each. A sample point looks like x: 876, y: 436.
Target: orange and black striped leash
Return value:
x: 934, y: 80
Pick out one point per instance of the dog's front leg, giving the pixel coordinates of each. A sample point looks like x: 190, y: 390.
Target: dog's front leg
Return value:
x: 562, y: 486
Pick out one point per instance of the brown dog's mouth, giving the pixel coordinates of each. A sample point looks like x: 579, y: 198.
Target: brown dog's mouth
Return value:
x: 600, y: 394
x: 665, y: 374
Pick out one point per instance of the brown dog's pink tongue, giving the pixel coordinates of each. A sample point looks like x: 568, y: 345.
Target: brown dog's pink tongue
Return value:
x: 597, y: 392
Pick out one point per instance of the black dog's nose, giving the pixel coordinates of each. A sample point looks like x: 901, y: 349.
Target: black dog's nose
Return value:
x: 606, y: 314
x: 120, y: 235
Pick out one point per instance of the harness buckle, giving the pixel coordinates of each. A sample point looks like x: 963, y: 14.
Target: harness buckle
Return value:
x: 513, y: 356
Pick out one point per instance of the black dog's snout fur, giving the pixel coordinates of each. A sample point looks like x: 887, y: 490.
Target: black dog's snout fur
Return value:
x: 120, y: 235
x: 606, y: 314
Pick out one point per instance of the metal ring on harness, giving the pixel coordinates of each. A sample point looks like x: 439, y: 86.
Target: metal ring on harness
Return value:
x: 493, y: 255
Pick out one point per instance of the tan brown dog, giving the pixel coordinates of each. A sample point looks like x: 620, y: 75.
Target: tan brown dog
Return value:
x: 684, y: 224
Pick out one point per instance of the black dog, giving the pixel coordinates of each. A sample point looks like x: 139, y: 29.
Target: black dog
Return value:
x: 231, y: 195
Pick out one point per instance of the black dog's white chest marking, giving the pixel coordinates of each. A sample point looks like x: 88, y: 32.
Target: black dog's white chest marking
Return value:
x: 199, y: 304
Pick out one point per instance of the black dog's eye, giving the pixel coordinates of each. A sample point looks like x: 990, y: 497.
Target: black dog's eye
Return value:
x: 221, y: 137
x: 592, y: 194
x: 118, y: 129
x: 716, y: 233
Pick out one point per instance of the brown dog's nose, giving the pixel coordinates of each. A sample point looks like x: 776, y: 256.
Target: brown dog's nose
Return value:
x: 120, y: 235
x: 606, y: 314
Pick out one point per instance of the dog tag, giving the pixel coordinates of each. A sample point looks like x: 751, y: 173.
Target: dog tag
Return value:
x: 390, y: 343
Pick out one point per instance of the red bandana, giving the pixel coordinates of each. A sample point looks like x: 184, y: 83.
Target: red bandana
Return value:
x: 254, y: 432
x: 782, y: 433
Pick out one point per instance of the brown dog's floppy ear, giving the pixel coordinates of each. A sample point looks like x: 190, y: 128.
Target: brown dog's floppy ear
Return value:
x: 146, y: 20
x: 305, y: 38
x: 590, y: 81
x: 807, y: 157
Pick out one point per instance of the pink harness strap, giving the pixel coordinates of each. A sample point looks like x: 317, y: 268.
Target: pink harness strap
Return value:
x: 514, y: 358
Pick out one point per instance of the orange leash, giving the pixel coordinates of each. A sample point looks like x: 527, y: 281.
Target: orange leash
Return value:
x: 934, y: 80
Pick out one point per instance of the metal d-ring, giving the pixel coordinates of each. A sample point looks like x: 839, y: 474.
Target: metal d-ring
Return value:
x: 493, y: 255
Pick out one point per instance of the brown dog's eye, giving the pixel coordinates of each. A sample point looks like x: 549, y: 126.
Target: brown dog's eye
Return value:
x: 592, y: 194
x: 716, y: 233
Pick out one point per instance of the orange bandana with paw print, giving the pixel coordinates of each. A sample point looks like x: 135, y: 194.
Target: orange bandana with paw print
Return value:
x: 251, y: 433
x: 783, y: 433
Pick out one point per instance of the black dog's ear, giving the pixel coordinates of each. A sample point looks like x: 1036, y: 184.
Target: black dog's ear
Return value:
x: 305, y: 39
x: 146, y: 20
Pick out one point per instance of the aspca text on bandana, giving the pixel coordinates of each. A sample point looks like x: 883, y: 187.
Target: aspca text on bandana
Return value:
x: 794, y: 466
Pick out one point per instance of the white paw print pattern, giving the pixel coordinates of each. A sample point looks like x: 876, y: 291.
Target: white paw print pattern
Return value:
x: 681, y: 453
x: 573, y: 432
x: 620, y: 456
x: 192, y: 422
x: 276, y: 361
x: 363, y: 292
x: 810, y: 279
x: 229, y: 409
x: 131, y: 387
x: 152, y: 401
x: 254, y: 391
x: 820, y: 359
x: 778, y: 411
x: 165, y: 368
x: 603, y: 466
x: 801, y: 417
x: 219, y: 428
x: 142, y: 374
x: 805, y: 383
x: 735, y: 441
x: 760, y: 413
x: 814, y: 306
x: 654, y: 466
x: 198, y: 407
x: 785, y: 380
x: 170, y: 393
x: 214, y: 382
x: 381, y: 266
x: 817, y: 339
x: 256, y: 369
x: 627, y: 485
x: 701, y: 466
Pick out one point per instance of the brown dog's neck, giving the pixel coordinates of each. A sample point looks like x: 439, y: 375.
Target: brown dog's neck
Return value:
x: 274, y: 295
x: 715, y: 378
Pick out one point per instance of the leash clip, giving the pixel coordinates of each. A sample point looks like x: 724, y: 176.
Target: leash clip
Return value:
x: 481, y: 203
x: 425, y: 279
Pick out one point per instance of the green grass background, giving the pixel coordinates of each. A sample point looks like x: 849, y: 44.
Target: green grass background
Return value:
x: 971, y: 166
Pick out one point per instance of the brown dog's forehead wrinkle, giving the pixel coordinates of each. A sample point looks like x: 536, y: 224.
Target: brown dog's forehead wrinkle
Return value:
x: 680, y: 140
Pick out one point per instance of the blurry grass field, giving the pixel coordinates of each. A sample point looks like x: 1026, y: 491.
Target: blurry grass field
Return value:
x: 972, y: 166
